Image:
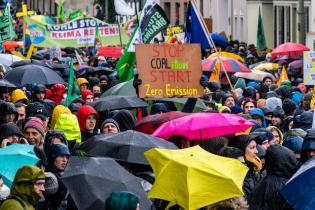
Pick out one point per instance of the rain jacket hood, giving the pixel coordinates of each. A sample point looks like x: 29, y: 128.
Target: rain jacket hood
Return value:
x: 68, y: 124
x: 18, y: 95
x: 270, y: 128
x: 58, y: 110
x: 83, y: 114
x: 260, y: 113
x: 57, y: 93
x: 49, y: 136
x: 23, y: 186
x: 280, y: 161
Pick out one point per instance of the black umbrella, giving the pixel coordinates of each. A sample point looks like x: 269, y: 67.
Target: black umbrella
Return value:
x: 127, y: 146
x: 31, y: 73
x: 6, y: 84
x: 117, y: 102
x: 91, y: 180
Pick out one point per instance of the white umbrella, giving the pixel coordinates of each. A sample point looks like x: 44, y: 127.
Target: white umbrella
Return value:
x: 255, y: 75
x: 8, y: 59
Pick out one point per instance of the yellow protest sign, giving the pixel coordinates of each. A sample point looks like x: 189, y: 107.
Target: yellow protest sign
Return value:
x: 313, y: 98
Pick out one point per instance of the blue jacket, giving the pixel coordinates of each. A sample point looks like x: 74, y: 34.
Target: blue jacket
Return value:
x: 260, y: 113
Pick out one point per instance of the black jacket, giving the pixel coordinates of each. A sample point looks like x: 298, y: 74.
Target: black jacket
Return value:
x: 281, y: 164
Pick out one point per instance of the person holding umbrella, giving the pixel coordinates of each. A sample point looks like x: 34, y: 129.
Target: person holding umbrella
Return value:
x: 27, y: 189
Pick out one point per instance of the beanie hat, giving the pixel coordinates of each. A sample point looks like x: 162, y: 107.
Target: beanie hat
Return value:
x: 9, y: 129
x: 272, y: 103
x: 158, y: 107
x: 57, y: 150
x: 37, y: 108
x: 81, y: 81
x: 51, y: 183
x: 18, y: 95
x: 236, y: 109
x: 110, y: 120
x: 121, y: 200
x: 288, y: 106
x: 261, y: 135
x: 278, y: 112
x: 37, y: 124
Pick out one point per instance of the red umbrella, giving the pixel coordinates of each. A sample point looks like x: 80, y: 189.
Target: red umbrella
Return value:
x: 290, y: 49
x: 151, y: 122
x: 231, y: 65
x: 109, y: 51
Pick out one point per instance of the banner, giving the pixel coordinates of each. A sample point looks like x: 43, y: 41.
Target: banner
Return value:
x: 169, y: 70
x: 7, y: 31
x: 80, y: 32
x: 309, y: 67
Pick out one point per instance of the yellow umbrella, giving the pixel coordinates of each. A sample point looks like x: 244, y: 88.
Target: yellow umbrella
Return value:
x: 267, y: 66
x: 228, y: 55
x: 194, y: 178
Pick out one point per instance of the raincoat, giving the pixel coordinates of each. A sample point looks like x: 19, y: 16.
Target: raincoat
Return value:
x: 68, y: 124
x: 83, y: 114
x: 281, y: 164
x: 58, y: 110
x: 22, y: 190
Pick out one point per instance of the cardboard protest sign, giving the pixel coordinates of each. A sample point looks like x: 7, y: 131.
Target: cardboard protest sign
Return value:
x: 309, y: 67
x: 169, y: 70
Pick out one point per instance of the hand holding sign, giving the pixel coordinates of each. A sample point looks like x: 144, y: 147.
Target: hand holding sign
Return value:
x: 169, y: 70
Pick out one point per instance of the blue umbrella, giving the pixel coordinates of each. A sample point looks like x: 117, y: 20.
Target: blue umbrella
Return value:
x: 14, y: 157
x: 299, y: 190
x: 219, y: 40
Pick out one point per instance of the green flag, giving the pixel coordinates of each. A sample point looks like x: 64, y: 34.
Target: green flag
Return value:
x: 75, y: 14
x: 7, y: 31
x: 60, y: 13
x: 261, y: 39
x: 126, y: 62
x: 73, y: 90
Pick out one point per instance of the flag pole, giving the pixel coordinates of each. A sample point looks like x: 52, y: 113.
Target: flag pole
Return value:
x: 211, y: 40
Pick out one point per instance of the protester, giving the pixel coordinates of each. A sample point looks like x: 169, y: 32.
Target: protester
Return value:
x: 34, y: 132
x: 110, y: 126
x: 27, y: 189
x: 88, y: 119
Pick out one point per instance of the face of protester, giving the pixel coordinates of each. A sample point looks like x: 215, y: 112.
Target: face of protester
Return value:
x: 276, y: 137
x: 306, y: 104
x: 251, y: 150
x: 96, y: 89
x: 21, y: 113
x: 9, y: 118
x: 258, y: 119
x: 229, y: 102
x: 40, y: 96
x: 310, y: 154
x: 33, y: 136
x: 276, y: 121
x: 265, y: 144
x: 56, y: 140
x: 90, y: 123
x: 268, y: 82
x: 61, y: 162
x: 110, y: 128
x: 89, y: 99
x: 39, y: 188
x: 83, y: 87
x: 6, y: 97
x: 248, y: 107
x: 103, y: 82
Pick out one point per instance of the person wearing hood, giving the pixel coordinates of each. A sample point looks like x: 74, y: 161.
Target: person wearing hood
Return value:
x: 110, y: 126
x: 258, y: 115
x: 267, y: 81
x: 308, y: 147
x: 248, y: 145
x: 57, y: 161
x: 268, y: 115
x: 262, y: 137
x: 58, y: 110
x: 69, y: 125
x: 303, y: 120
x: 281, y: 164
x: 26, y: 190
x: 11, y: 134
x: 82, y: 83
x: 278, y: 117
x: 39, y: 93
x: 54, y: 137
x: 58, y: 91
x: 306, y: 101
x: 289, y: 107
x: 8, y: 113
x: 277, y: 135
x: 88, y: 119
x: 87, y: 96
x: 18, y: 95
x: 34, y: 132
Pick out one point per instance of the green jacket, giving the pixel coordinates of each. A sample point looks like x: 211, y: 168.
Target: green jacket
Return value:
x: 23, y: 189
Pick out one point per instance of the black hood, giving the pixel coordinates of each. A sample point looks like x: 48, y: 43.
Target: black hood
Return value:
x: 280, y: 161
x: 124, y: 118
x: 49, y: 135
x: 9, y: 129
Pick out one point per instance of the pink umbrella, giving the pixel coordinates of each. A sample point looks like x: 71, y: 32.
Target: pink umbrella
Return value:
x: 203, y: 126
x: 290, y: 49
